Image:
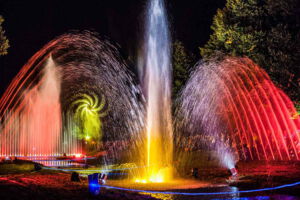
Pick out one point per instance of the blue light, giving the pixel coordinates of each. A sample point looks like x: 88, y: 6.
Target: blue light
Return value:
x: 203, y: 193
x: 94, y: 187
x: 247, y: 198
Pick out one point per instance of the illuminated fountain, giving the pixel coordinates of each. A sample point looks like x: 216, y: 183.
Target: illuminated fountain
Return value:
x: 57, y: 102
x: 76, y: 91
x: 235, y: 111
x: 156, y: 82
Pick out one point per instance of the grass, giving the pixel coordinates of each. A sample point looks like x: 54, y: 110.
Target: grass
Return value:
x: 16, y: 166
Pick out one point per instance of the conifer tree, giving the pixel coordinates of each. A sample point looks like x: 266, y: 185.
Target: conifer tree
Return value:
x: 267, y: 31
x: 182, y: 61
x: 3, y: 40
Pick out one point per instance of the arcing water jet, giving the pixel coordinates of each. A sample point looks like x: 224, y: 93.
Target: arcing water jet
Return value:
x: 241, y: 113
x: 37, y: 110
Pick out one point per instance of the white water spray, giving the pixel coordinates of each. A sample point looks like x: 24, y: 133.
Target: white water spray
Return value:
x: 156, y: 80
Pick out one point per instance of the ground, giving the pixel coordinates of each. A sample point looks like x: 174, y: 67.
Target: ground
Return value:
x: 45, y: 184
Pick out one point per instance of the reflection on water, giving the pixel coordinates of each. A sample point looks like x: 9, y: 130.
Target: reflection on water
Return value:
x: 223, y: 197
x: 51, y: 161
x: 161, y: 196
x: 59, y: 163
x: 273, y: 197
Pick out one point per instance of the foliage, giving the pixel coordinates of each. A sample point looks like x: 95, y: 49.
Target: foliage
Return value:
x: 4, y: 45
x: 182, y: 62
x: 297, y: 106
x: 267, y: 31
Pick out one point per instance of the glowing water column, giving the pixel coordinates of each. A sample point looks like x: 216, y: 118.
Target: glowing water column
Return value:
x: 30, y: 114
x: 156, y: 76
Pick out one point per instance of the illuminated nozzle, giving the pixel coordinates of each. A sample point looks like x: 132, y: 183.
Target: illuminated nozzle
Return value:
x: 87, y: 137
x: 78, y: 155
x: 233, y: 171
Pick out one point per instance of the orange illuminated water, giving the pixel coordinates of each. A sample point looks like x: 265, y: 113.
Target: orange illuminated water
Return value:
x: 156, y: 79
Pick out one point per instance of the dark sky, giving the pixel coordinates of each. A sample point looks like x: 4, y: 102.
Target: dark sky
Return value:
x: 31, y: 24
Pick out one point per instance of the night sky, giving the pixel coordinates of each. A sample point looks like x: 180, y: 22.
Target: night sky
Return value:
x: 29, y: 25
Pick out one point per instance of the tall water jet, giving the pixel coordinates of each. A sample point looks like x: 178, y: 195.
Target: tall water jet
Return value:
x: 156, y: 81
